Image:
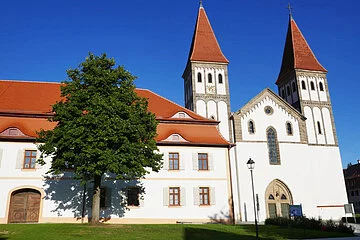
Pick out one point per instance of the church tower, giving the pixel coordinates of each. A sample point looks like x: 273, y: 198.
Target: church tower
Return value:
x: 206, y: 76
x: 302, y: 83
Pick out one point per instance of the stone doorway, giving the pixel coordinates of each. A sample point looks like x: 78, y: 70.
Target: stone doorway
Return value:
x: 24, y: 206
x: 277, y: 198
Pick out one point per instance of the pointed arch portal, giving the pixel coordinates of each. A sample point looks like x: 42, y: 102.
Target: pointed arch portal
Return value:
x: 24, y: 206
x: 277, y: 198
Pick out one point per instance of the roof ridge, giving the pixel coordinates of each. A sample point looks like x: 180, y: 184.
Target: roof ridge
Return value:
x: 29, y: 81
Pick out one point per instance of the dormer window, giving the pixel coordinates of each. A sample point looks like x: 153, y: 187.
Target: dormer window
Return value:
x: 220, y: 78
x: 303, y: 85
x: 321, y: 86
x: 181, y: 115
x: 312, y: 85
x: 199, y: 77
x: 209, y: 78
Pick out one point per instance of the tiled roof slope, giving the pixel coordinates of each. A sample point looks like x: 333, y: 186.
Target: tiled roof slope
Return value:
x: 297, y: 53
x: 204, y: 46
x: 26, y: 105
x: 28, y: 97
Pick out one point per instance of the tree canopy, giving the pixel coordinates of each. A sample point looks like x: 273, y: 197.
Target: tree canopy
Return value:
x: 103, y: 126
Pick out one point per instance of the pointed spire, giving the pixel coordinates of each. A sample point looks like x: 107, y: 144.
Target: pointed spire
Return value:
x: 297, y: 53
x: 204, y: 46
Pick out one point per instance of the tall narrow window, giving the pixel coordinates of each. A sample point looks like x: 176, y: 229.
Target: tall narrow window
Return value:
x: 203, y: 161
x: 312, y: 85
x: 29, y: 159
x: 133, y: 196
x: 303, y: 85
x: 199, y: 77
x: 173, y: 161
x: 321, y: 86
x: 288, y: 90
x: 209, y: 78
x: 273, y: 146
x: 251, y: 127
x: 220, y: 78
x: 282, y: 93
x: 289, y: 129
x: 293, y: 87
x: 319, y: 127
x: 204, y: 196
x: 174, y: 196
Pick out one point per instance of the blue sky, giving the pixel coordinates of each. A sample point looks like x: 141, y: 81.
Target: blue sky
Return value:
x: 41, y: 39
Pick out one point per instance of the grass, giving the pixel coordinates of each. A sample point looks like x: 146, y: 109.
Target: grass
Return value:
x: 150, y: 232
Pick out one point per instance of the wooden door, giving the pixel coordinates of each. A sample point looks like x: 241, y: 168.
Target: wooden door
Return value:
x: 24, y: 206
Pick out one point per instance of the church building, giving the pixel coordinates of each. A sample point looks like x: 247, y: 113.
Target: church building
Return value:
x: 291, y: 136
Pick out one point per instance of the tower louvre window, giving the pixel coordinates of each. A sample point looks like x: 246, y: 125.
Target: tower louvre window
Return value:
x: 220, y: 78
x: 293, y: 87
x: 282, y: 93
x: 319, y: 127
x: 288, y: 90
x: 321, y: 86
x: 303, y: 85
x: 209, y: 78
x: 199, y: 77
x: 312, y: 85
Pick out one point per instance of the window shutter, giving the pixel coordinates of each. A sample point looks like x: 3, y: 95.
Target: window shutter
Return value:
x: 181, y: 162
x: 195, y: 161
x: 20, y: 159
x: 37, y: 165
x: 166, y: 161
x: 196, y: 196
x: 1, y: 153
x: 210, y: 161
x: 166, y: 196
x: 182, y: 197
x: 108, y: 197
x: 212, y: 196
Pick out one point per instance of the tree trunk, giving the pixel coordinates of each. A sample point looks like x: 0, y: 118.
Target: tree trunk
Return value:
x: 95, y: 210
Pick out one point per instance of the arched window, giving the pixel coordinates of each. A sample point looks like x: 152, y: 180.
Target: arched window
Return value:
x: 251, y: 127
x: 283, y: 93
x: 303, y: 85
x: 319, y: 127
x: 321, y: 86
x: 289, y: 129
x: 209, y: 78
x: 199, y: 77
x: 288, y: 90
x: 220, y: 78
x: 273, y: 146
x: 293, y: 87
x: 312, y: 85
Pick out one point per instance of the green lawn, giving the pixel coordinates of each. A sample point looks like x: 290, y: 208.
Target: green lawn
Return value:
x: 150, y: 232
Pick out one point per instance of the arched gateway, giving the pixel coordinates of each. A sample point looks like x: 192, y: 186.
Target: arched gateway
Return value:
x: 278, y: 198
x: 24, y: 206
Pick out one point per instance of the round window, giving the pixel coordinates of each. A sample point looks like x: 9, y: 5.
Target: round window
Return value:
x: 268, y: 110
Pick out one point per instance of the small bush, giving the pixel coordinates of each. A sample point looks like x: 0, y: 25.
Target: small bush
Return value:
x: 312, y: 223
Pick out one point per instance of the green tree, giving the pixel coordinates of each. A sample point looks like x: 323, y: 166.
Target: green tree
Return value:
x: 103, y: 126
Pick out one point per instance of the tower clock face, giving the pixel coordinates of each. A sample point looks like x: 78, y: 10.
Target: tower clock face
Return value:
x: 210, y: 89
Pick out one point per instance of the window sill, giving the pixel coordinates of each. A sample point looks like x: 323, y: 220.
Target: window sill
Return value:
x: 133, y: 207
x: 28, y: 169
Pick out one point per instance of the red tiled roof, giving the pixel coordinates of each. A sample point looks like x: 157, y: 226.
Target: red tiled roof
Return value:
x: 204, y: 46
x: 28, y: 97
x: 25, y: 100
x: 193, y: 133
x: 297, y: 53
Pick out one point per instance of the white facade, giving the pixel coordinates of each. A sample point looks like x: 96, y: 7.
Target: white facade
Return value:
x: 62, y: 197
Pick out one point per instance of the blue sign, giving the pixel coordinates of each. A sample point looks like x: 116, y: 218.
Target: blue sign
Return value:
x: 295, y: 210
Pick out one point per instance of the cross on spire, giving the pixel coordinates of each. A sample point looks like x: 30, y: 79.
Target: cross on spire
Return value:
x: 290, y: 9
x: 201, y: 3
